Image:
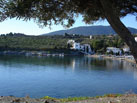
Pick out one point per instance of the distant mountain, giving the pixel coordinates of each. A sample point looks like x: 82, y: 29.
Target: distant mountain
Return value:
x: 89, y: 30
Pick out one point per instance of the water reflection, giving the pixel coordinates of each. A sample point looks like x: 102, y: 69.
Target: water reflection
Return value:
x: 65, y: 76
x: 73, y: 62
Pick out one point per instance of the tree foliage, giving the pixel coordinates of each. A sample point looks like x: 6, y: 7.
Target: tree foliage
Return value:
x: 19, y: 42
x: 22, y: 42
x: 64, y: 12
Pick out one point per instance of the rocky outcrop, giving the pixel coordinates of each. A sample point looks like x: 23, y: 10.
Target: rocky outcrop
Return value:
x: 12, y: 99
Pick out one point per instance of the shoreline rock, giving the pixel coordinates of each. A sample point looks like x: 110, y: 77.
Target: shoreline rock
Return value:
x: 12, y: 99
x: 110, y: 98
x: 124, y: 58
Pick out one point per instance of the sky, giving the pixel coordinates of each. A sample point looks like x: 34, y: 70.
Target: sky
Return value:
x: 31, y: 28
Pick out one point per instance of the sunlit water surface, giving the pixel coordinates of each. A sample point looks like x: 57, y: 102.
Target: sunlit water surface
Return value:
x: 62, y: 77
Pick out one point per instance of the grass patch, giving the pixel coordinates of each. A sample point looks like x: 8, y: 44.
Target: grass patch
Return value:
x: 47, y: 97
x: 109, y: 95
x: 70, y: 99
x: 112, y: 95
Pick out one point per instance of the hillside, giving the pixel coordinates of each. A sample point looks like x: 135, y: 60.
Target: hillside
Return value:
x: 89, y: 30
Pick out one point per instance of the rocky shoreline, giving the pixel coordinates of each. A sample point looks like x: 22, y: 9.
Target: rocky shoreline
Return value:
x: 128, y: 58
x: 12, y: 99
x: 110, y: 98
x: 127, y: 98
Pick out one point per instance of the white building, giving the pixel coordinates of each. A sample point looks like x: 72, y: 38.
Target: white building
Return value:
x: 136, y: 39
x: 82, y: 47
x: 126, y: 50
x: 91, y: 37
x: 114, y: 50
x: 85, y: 48
x: 71, y: 41
x: 76, y: 46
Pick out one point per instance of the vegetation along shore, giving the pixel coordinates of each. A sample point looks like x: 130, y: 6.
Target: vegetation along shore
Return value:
x: 21, y: 42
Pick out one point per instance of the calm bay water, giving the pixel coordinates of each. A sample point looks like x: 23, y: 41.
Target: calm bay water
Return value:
x: 62, y: 77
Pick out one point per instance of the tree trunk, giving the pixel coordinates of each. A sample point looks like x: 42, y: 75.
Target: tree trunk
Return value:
x: 119, y: 27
